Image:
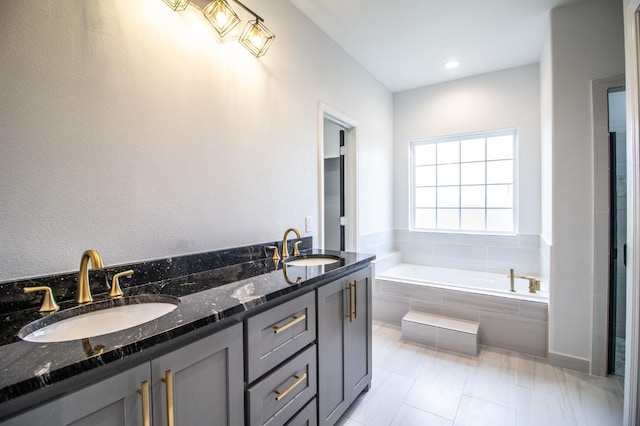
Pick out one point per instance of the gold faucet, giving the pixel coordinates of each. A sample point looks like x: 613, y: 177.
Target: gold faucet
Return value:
x: 534, y: 283
x: 285, y: 250
x: 84, y: 291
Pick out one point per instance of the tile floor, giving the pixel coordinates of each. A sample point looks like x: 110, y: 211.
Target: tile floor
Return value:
x: 416, y: 385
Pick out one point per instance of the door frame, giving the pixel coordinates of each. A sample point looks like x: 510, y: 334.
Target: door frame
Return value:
x: 632, y: 70
x: 601, y: 221
x: 351, y: 175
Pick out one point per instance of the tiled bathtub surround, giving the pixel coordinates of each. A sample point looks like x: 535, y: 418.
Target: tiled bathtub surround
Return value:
x: 378, y: 243
x: 505, y: 322
x: 488, y: 253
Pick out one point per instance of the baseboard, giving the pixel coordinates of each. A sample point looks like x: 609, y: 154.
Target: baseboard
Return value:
x: 569, y: 362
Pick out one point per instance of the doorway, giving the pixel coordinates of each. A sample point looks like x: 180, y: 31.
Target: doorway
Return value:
x: 617, y: 230
x: 338, y: 183
x: 334, y: 186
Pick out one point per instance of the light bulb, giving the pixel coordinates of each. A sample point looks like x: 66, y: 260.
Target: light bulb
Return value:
x: 221, y: 18
x: 257, y: 39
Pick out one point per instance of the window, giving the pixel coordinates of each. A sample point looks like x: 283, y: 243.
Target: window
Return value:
x: 464, y: 182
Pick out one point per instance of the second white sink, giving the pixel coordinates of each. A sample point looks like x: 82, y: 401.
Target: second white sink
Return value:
x: 311, y: 261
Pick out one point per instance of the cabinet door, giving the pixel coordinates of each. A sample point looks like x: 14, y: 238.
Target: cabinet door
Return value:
x: 112, y: 402
x: 202, y: 383
x: 332, y: 304
x: 358, y: 351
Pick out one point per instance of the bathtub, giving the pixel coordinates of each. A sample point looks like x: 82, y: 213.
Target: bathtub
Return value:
x: 513, y: 321
x: 463, y: 280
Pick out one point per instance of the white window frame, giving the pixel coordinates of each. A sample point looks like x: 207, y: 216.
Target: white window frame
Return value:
x: 461, y: 137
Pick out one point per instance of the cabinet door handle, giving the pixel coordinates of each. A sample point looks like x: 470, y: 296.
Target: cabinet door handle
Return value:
x: 291, y: 323
x: 168, y: 380
x: 299, y: 379
x: 144, y: 391
x: 355, y: 300
x: 350, y: 315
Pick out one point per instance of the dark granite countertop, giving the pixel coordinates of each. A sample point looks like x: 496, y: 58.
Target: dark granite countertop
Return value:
x: 206, y: 297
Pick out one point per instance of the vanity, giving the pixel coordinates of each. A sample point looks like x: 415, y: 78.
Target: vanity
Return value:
x: 253, y: 341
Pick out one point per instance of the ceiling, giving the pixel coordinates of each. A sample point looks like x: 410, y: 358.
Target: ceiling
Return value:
x: 405, y: 43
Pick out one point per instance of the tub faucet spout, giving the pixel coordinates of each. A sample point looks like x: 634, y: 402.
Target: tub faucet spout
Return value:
x: 534, y: 283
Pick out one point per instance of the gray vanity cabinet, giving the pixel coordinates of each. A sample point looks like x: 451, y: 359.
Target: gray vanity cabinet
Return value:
x: 111, y: 402
x: 344, y: 343
x: 205, y: 380
x: 202, y: 383
x: 281, y: 362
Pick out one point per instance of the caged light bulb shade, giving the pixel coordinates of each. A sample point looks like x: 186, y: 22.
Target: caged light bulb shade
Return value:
x: 256, y: 38
x: 177, y: 4
x: 221, y: 17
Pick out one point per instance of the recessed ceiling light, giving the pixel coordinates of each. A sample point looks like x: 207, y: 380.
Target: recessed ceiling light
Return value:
x: 451, y: 64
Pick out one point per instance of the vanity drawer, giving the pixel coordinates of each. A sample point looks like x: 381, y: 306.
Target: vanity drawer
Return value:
x: 276, y: 334
x: 308, y: 416
x: 275, y: 399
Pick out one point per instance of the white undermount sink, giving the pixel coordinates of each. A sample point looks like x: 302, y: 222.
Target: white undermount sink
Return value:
x: 98, y: 319
x: 311, y: 260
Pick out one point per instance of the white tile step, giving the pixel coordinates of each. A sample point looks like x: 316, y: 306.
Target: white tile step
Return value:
x: 441, y: 332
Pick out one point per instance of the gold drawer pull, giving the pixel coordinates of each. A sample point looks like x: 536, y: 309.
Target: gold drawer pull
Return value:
x: 355, y: 300
x: 350, y: 315
x: 299, y: 379
x: 168, y: 380
x: 144, y: 391
x: 291, y: 323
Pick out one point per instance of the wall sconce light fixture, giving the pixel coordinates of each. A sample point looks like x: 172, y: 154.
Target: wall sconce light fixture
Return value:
x: 255, y: 37
x: 222, y: 18
x: 177, y: 4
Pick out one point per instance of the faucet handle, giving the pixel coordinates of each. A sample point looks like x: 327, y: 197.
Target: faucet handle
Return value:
x: 115, y: 284
x: 534, y: 285
x: 296, y: 252
x: 48, y: 302
x: 275, y: 256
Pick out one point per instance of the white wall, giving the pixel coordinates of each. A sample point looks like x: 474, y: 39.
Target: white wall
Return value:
x: 498, y: 100
x: 586, y: 44
x: 129, y: 128
x: 546, y: 119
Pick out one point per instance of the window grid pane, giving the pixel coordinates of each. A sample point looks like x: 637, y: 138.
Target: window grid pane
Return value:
x: 464, y: 183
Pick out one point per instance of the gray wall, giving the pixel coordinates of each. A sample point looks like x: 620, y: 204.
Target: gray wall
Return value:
x: 130, y: 128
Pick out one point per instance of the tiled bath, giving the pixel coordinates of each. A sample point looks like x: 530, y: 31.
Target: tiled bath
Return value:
x: 505, y: 322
